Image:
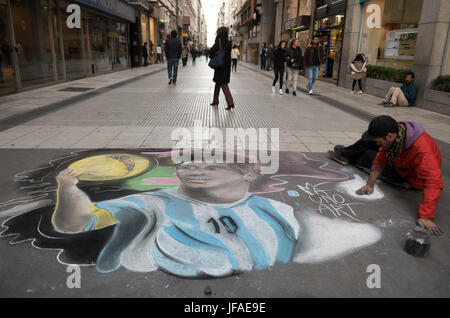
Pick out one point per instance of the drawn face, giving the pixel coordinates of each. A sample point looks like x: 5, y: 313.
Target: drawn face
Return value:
x: 209, y: 176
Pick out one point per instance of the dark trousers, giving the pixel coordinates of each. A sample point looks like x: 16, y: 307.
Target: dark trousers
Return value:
x: 234, y: 65
x: 263, y: 62
x: 226, y: 92
x: 278, y: 73
x: 362, y: 154
x: 359, y: 84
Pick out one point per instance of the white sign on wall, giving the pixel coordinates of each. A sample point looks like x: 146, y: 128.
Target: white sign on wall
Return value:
x: 374, y: 16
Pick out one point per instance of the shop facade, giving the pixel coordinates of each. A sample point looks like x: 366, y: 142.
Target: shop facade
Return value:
x: 329, y: 27
x: 39, y: 47
x: 398, y: 35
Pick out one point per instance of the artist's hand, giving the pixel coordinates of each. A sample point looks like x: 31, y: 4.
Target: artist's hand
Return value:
x: 68, y: 177
x: 367, y: 189
x: 430, y: 226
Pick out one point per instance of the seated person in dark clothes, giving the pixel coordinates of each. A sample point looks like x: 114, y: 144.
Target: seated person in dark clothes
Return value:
x: 406, y: 154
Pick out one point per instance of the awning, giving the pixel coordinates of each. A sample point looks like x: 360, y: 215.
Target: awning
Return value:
x: 116, y: 8
x: 336, y: 8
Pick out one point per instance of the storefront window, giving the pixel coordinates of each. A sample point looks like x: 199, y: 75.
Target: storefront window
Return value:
x: 120, y: 45
x: 7, y: 78
x: 98, y: 34
x: 74, y: 48
x: 33, y: 41
x: 389, y: 32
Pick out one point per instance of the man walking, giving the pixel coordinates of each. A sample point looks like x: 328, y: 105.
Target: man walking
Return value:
x: 145, y: 54
x: 314, y: 58
x: 270, y: 56
x: 294, y: 65
x: 263, y: 55
x: 402, y: 96
x: 173, y: 55
x: 193, y: 54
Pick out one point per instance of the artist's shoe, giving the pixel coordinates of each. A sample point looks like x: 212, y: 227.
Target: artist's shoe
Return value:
x: 337, y: 157
x: 338, y: 148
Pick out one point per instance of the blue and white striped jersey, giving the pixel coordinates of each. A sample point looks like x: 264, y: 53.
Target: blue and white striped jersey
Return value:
x: 190, y: 238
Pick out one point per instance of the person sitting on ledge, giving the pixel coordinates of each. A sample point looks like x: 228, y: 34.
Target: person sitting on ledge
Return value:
x: 408, y: 157
x: 402, y: 96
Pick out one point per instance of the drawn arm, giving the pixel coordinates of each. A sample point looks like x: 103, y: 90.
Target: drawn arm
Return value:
x: 73, y: 207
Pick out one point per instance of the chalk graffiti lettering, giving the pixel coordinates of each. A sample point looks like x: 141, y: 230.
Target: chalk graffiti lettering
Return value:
x: 333, y: 203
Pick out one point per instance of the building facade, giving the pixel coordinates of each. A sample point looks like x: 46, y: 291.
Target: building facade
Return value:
x: 256, y: 27
x: 400, y: 35
x: 40, y: 47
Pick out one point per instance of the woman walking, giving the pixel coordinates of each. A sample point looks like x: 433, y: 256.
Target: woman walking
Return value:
x: 184, y: 55
x: 359, y: 71
x: 234, y: 57
x: 222, y: 75
x: 279, y: 58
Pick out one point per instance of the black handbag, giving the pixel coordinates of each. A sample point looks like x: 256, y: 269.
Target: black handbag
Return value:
x: 217, y: 61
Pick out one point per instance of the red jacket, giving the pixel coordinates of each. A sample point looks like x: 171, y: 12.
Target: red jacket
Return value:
x: 420, y: 164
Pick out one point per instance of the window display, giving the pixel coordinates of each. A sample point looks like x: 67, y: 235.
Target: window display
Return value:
x: 389, y: 32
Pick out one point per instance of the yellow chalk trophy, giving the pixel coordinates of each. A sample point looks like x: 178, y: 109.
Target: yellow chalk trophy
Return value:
x: 107, y: 167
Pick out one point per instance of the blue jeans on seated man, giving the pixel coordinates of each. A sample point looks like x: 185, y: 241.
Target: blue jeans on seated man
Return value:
x: 172, y: 68
x: 313, y: 74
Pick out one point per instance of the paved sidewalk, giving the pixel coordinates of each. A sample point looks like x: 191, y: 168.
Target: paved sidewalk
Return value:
x: 438, y: 125
x: 19, y: 107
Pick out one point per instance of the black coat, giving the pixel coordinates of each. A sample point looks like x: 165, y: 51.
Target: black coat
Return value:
x: 279, y: 58
x: 296, y: 54
x: 222, y: 75
x: 173, y: 48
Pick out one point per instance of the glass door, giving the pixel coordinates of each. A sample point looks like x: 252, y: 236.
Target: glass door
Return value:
x: 7, y: 74
x: 34, y: 43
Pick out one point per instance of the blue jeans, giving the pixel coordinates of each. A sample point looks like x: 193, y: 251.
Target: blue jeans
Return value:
x: 172, y: 68
x: 313, y: 74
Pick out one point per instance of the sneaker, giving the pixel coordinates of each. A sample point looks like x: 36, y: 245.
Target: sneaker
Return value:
x: 360, y: 92
x: 310, y: 92
x: 170, y: 81
x: 352, y: 92
x: 338, y: 148
x: 273, y: 89
x: 383, y: 102
x: 281, y: 92
x: 294, y: 93
x: 337, y: 157
x: 287, y: 91
x: 388, y: 105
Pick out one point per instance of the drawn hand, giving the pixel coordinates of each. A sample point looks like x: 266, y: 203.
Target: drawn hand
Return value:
x: 69, y: 177
x: 430, y: 226
x: 365, y: 190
